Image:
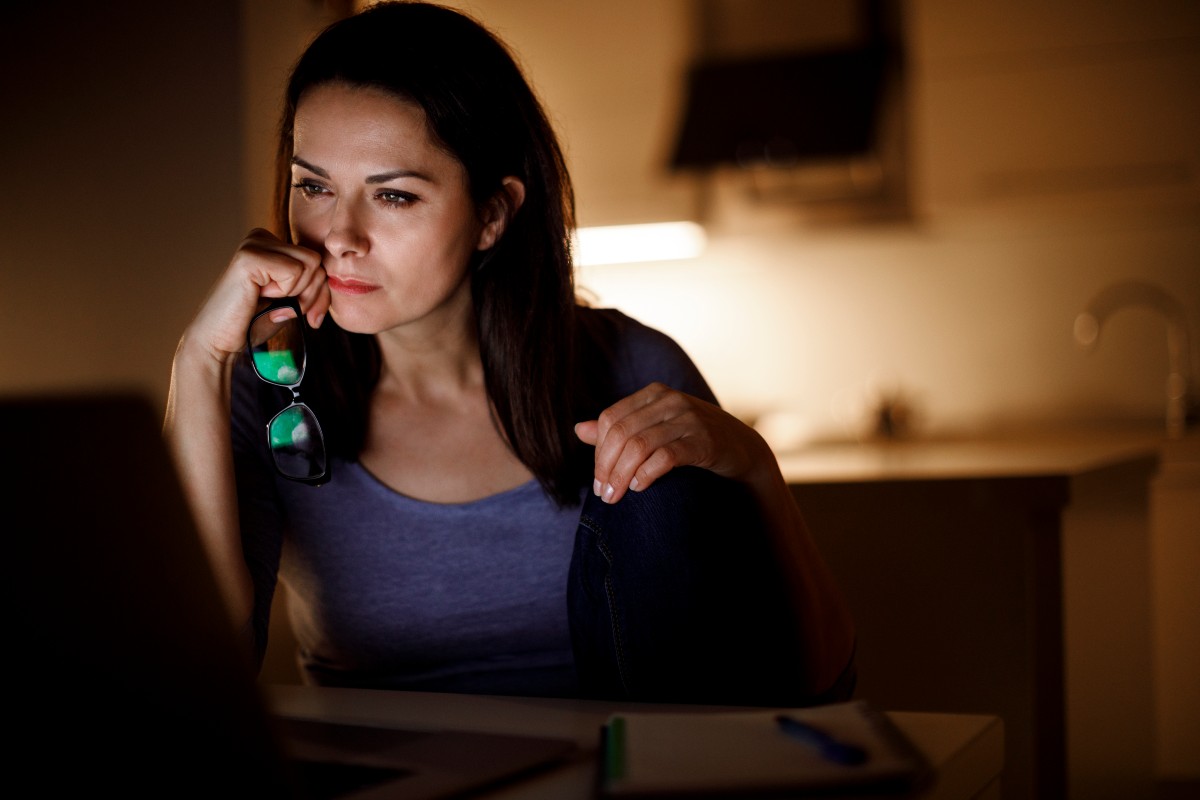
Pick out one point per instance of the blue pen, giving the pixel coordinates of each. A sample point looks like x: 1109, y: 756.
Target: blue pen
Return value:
x: 829, y: 747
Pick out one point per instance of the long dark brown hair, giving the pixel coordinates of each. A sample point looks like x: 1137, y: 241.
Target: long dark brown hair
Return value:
x: 480, y: 108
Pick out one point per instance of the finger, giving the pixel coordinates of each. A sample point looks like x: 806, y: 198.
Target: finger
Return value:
x: 660, y: 462
x: 621, y: 415
x: 624, y: 421
x: 313, y: 275
x: 647, y: 456
x: 279, y: 269
x: 320, y: 306
x: 588, y: 431
x: 315, y: 298
x: 273, y: 272
x: 626, y: 406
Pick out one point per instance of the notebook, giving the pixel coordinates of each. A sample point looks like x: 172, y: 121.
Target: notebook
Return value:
x: 822, y: 750
x: 120, y: 669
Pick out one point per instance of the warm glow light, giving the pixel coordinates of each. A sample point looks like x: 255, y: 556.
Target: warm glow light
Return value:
x: 624, y: 244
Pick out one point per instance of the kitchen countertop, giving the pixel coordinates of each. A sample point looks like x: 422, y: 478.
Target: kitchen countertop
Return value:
x: 1010, y: 570
x: 1012, y: 454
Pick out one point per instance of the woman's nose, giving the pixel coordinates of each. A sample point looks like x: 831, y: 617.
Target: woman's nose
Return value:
x: 346, y: 235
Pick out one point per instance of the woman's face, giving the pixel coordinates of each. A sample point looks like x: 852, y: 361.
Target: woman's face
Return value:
x: 387, y: 208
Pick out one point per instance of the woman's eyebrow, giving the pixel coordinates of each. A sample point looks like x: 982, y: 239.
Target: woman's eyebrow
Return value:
x: 300, y: 162
x: 382, y: 177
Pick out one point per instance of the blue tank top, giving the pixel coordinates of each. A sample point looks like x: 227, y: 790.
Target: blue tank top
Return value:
x: 386, y: 591
x: 409, y: 594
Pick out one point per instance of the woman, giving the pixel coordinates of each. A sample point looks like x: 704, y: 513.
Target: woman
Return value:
x: 524, y: 495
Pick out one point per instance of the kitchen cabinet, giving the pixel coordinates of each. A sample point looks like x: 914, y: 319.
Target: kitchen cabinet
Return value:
x: 1033, y: 105
x: 1175, y: 560
x: 1008, y: 577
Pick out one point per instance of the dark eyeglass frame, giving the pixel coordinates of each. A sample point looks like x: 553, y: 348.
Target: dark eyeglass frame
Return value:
x: 322, y: 474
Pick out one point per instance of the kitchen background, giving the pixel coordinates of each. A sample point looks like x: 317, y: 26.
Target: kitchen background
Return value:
x: 1035, y: 153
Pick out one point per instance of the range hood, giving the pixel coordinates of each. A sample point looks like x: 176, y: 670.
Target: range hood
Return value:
x: 782, y: 110
x: 802, y: 123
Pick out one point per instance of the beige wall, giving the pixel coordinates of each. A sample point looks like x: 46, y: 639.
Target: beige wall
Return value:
x: 121, y: 149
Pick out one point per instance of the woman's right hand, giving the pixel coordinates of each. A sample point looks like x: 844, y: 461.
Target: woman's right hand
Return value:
x: 263, y: 266
x: 197, y: 423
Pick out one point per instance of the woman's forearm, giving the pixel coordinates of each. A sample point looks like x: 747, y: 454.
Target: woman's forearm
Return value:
x: 197, y: 430
x: 818, y: 602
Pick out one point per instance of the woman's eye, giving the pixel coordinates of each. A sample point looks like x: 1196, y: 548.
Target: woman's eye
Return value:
x: 393, y: 197
x: 309, y: 189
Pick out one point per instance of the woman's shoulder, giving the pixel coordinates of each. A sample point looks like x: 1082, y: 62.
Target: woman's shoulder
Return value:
x: 625, y: 338
x: 625, y: 332
x: 638, y: 354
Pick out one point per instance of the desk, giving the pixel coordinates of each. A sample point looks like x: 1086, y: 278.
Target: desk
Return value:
x: 1007, y: 577
x: 967, y: 751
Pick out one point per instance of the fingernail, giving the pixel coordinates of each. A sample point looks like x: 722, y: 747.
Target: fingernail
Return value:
x: 320, y: 319
x: 596, y: 488
x: 608, y: 493
x: 633, y: 484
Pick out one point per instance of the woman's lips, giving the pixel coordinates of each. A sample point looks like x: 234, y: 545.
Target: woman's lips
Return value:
x: 350, y: 286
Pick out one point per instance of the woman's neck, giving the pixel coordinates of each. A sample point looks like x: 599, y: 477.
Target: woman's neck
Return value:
x: 431, y: 360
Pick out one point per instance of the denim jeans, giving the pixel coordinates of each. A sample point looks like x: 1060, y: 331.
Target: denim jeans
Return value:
x: 675, y: 596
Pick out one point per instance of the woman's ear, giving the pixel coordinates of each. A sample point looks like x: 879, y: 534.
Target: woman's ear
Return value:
x: 499, y: 211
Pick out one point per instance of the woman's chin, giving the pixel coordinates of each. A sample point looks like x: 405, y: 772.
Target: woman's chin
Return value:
x: 350, y: 322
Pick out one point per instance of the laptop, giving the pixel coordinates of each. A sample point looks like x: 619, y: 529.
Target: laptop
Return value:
x: 121, y: 671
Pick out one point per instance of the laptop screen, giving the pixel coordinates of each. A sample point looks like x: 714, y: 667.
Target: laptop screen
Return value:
x: 121, y: 665
x: 123, y: 669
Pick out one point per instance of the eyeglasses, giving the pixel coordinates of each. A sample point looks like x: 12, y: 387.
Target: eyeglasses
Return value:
x: 275, y: 342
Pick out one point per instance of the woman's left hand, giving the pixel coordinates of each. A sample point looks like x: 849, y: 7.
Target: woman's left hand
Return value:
x: 647, y: 434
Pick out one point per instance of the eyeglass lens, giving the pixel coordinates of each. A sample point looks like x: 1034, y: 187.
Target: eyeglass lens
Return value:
x: 276, y: 342
x: 296, y: 443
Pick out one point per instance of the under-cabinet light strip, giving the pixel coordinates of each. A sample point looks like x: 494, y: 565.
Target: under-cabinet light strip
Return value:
x: 624, y: 244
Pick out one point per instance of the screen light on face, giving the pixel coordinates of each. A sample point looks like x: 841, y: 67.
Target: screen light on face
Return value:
x: 625, y: 244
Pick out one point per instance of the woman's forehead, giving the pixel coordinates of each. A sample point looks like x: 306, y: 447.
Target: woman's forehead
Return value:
x: 332, y: 109
x: 366, y: 125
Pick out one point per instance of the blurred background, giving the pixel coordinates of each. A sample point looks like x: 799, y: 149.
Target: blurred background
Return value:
x: 1017, y: 159
x: 1035, y: 153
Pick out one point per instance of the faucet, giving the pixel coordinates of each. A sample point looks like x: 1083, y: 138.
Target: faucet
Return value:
x: 1181, y: 405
